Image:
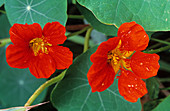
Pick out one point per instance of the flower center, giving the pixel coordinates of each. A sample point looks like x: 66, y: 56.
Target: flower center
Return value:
x: 113, y: 57
x: 118, y: 58
x: 38, y: 45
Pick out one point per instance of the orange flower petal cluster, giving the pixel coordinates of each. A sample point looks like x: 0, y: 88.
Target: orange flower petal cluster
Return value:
x: 124, y: 53
x: 38, y: 49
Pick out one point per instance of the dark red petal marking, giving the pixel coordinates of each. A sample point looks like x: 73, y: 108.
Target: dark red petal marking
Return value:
x: 18, y: 57
x: 42, y: 66
x: 21, y: 34
x: 54, y: 33
x: 62, y: 55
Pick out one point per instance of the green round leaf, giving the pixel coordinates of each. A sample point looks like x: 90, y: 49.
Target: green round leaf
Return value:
x: 17, y: 85
x: 96, y: 24
x: 39, y: 11
x: 4, y: 26
x: 164, y: 105
x: 1, y: 2
x: 153, y: 15
x: 74, y: 92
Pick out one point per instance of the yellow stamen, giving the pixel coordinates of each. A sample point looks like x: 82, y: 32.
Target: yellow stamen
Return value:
x: 116, y: 58
x: 112, y: 57
x: 126, y: 64
x: 38, y: 45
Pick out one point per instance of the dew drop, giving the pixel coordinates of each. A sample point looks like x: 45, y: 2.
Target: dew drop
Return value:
x: 129, y: 85
x: 132, y: 85
x: 141, y: 63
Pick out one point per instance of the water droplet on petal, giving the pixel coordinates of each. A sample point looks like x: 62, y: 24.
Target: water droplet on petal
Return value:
x: 147, y: 68
x: 141, y: 63
x: 129, y: 32
x: 102, y: 84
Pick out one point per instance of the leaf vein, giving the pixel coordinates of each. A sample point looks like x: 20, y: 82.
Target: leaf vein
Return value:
x: 21, y: 2
x: 85, y: 100
x: 42, y: 14
x: 101, y: 101
x: 38, y: 3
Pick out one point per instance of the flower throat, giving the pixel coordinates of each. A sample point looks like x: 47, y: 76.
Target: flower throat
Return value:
x: 38, y: 45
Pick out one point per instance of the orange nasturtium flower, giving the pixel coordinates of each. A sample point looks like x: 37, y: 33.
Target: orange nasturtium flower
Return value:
x: 124, y: 52
x: 38, y: 49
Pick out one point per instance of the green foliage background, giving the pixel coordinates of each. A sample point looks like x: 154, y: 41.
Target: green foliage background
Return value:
x: 73, y: 92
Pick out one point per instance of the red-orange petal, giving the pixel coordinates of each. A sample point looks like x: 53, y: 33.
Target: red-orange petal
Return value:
x: 54, y: 33
x: 18, y: 57
x: 144, y: 65
x: 42, y: 66
x: 133, y: 36
x: 21, y: 34
x: 100, y: 76
x: 100, y: 55
x: 130, y: 86
x: 62, y: 56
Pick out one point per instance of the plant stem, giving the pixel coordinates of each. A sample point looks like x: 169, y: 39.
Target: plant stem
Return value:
x: 2, y: 11
x: 3, y: 42
x: 43, y: 86
x: 87, y: 37
x: 158, y: 50
x: 157, y: 100
x: 76, y: 27
x: 78, y: 32
x: 166, y: 88
x: 73, y: 1
x: 160, y: 41
x: 164, y: 79
x: 76, y: 16
x: 156, y: 45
